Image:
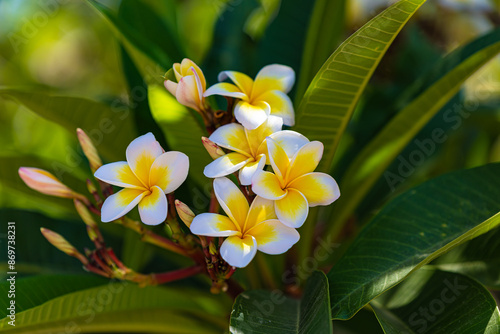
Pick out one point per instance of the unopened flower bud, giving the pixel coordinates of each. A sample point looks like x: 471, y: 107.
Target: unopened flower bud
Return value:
x: 92, y: 228
x: 190, y: 85
x: 46, y: 183
x: 184, y: 212
x: 212, y: 148
x: 63, y: 245
x: 89, y: 150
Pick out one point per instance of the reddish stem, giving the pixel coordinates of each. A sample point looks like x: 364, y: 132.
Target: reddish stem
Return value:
x: 170, y: 276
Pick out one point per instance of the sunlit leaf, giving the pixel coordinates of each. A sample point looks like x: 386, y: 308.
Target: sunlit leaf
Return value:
x: 329, y: 102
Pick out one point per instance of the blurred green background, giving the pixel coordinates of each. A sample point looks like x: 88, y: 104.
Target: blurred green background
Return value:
x: 66, y: 47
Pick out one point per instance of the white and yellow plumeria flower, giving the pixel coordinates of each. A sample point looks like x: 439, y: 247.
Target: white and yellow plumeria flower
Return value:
x: 249, y: 148
x: 295, y: 186
x: 260, y: 98
x: 190, y: 85
x: 248, y: 228
x: 147, y: 175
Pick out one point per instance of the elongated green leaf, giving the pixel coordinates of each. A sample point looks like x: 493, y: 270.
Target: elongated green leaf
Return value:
x: 438, y: 302
x: 329, y: 101
x: 412, y: 230
x: 478, y: 258
x: 36, y: 290
x: 181, y: 129
x: 110, y: 128
x: 152, y: 36
x: 369, y: 165
x: 324, y: 34
x: 265, y: 312
x: 122, y: 307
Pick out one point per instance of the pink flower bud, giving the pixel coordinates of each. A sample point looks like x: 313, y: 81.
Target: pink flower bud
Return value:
x: 212, y: 148
x: 46, y: 183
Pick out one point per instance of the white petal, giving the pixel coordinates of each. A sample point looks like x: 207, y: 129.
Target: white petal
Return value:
x: 213, y: 225
x: 171, y: 86
x: 318, y: 188
x: 274, y: 237
x: 281, y: 105
x: 251, y: 116
x: 169, y: 171
x: 277, y: 76
x: 231, y: 200
x: 292, y: 210
x: 153, y: 207
x: 141, y: 153
x: 231, y: 136
x: 238, y: 252
x: 225, y: 165
x: 119, y: 174
x: 225, y: 89
x: 187, y: 92
x: 290, y: 141
x: 247, y: 171
x: 119, y: 204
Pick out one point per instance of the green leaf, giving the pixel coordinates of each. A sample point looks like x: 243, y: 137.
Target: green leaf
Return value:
x: 413, y: 229
x: 444, y: 82
x: 267, y: 312
x: 152, y: 36
x: 181, y: 129
x: 478, y: 258
x: 110, y: 127
x: 122, y: 307
x: 325, y: 31
x: 329, y: 102
x: 438, y: 302
x: 36, y: 290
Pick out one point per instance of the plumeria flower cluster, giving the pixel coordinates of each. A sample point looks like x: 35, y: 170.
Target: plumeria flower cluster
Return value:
x: 264, y: 181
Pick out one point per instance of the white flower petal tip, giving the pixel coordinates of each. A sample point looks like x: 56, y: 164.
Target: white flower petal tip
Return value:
x: 238, y: 252
x: 318, y: 188
x: 281, y: 77
x: 225, y: 165
x: 292, y: 210
x: 290, y: 141
x: 251, y: 116
x: 119, y: 204
x: 213, y: 225
x: 153, y: 207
